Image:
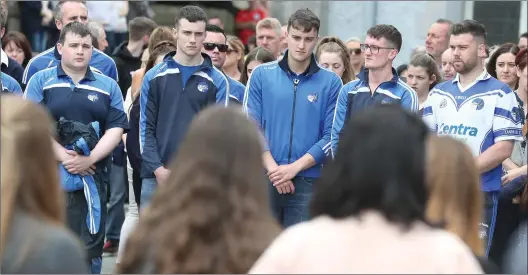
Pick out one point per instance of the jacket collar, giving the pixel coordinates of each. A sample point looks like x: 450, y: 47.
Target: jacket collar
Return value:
x: 56, y: 53
x: 207, y: 63
x: 483, y: 76
x: 5, y: 59
x: 312, y: 68
x: 89, y: 74
x: 363, y: 76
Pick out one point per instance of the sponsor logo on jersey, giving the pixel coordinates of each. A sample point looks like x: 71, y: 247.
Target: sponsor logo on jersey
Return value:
x: 460, y: 130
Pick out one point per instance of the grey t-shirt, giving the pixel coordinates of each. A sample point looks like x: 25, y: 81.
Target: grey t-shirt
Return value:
x: 36, y: 247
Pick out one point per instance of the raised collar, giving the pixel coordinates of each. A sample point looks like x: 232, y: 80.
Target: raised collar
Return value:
x: 483, y: 76
x: 363, y: 76
x: 312, y: 68
x: 207, y: 63
x: 89, y: 74
x: 5, y: 58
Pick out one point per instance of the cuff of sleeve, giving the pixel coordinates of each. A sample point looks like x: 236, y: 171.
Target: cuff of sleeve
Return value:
x: 124, y: 126
x: 505, y: 138
x: 317, y: 153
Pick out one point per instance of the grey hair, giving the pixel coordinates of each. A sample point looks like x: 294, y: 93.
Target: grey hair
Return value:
x: 57, y: 11
x: 96, y: 29
x: 270, y: 23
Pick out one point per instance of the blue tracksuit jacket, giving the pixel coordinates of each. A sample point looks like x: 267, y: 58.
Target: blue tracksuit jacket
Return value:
x: 294, y: 112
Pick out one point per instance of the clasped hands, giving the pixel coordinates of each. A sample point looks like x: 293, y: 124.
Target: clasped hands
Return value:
x: 281, y: 177
x: 78, y: 164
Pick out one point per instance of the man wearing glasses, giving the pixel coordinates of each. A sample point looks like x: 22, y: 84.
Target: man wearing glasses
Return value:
x: 215, y: 45
x: 377, y: 84
x: 357, y: 59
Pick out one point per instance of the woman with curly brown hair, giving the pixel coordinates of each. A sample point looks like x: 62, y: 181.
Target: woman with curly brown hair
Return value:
x: 211, y: 216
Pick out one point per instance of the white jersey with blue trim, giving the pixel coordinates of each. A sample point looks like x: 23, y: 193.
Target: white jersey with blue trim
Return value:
x: 481, y: 114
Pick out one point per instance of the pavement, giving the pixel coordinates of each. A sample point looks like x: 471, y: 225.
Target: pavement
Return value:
x: 109, y: 264
x: 109, y: 261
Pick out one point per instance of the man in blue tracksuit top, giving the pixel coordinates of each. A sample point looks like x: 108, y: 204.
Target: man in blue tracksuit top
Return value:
x: 172, y: 93
x: 377, y: 84
x: 72, y: 91
x: 64, y: 13
x: 293, y: 102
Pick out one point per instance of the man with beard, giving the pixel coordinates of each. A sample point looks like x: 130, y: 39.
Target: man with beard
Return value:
x: 479, y: 110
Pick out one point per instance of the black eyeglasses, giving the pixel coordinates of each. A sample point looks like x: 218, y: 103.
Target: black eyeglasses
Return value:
x: 356, y: 51
x: 211, y: 46
x: 373, y: 49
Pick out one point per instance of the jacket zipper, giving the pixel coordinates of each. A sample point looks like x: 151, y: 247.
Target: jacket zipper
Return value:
x: 295, y: 84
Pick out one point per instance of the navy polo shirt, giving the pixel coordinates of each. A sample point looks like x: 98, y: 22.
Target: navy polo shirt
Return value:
x: 95, y: 98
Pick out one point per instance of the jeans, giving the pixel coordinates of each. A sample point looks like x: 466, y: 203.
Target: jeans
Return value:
x: 148, y: 187
x: 96, y: 265
x: 116, y: 206
x: 290, y: 209
x: 487, y: 226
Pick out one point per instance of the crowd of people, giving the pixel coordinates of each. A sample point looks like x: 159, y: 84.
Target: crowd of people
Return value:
x: 295, y: 154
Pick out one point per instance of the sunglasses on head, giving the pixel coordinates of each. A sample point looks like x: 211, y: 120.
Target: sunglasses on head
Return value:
x: 211, y: 46
x: 355, y: 51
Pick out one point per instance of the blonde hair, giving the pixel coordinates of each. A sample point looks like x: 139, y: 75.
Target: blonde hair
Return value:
x: 455, y: 198
x: 332, y: 44
x: 270, y: 23
x: 30, y: 180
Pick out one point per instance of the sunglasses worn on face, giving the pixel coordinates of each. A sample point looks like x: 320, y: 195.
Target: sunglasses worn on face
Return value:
x: 211, y: 46
x: 356, y: 51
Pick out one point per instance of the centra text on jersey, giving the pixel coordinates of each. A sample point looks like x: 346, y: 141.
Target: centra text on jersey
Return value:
x: 458, y: 130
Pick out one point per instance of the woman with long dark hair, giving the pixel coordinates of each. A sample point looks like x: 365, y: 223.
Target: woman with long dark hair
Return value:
x: 369, y: 208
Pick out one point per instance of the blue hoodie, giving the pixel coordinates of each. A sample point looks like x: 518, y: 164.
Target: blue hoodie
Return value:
x: 294, y: 112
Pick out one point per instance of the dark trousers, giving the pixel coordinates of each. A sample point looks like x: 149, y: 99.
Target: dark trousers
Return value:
x: 290, y: 209
x: 491, y: 205
x: 76, y: 212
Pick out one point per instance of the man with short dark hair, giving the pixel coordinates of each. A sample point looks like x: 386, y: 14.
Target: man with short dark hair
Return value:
x: 172, y: 93
x: 127, y: 56
x: 437, y: 40
x: 8, y: 65
x: 73, y: 92
x: 523, y: 40
x: 293, y: 102
x: 377, y: 84
x: 67, y: 11
x: 479, y: 110
x: 215, y: 45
